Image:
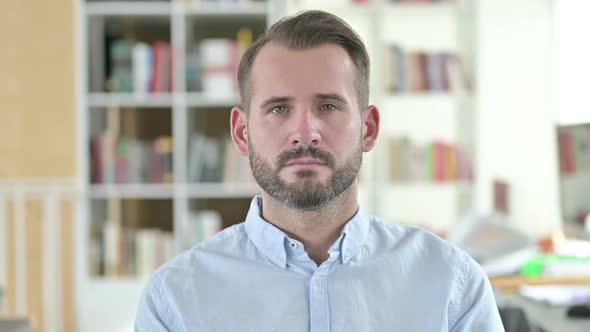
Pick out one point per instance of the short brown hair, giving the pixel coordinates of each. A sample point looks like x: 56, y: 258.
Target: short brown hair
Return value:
x: 310, y: 29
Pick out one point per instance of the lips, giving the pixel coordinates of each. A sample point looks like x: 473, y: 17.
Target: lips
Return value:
x: 305, y: 162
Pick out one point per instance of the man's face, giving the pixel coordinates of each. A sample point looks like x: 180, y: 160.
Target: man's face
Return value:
x: 304, y: 126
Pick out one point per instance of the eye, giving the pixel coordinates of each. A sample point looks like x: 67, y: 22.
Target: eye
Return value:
x: 278, y: 109
x: 328, y: 107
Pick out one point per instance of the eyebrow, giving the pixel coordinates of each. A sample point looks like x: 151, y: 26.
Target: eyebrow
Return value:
x: 274, y: 100
x: 284, y: 99
x: 331, y: 96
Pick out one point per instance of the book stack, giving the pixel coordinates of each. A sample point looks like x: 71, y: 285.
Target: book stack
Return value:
x: 422, y: 72
x: 200, y: 226
x: 435, y: 162
x: 574, y: 149
x: 139, y: 67
x: 212, y: 65
x: 124, y: 252
x: 214, y: 159
x: 117, y: 160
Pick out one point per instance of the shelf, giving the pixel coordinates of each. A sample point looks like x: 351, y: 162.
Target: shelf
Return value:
x: 165, y: 8
x: 581, y: 174
x: 442, y: 95
x: 197, y: 99
x: 433, y: 8
x: 145, y: 191
x: 193, y: 99
x: 430, y: 186
x: 129, y: 100
x: 128, y: 8
x: 222, y: 190
x: 229, y: 9
x: 167, y: 191
x: 341, y: 9
x: 582, y: 117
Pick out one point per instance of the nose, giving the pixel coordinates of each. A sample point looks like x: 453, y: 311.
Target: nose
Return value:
x: 305, y: 130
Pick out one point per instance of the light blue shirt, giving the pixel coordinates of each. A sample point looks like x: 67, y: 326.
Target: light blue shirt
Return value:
x: 379, y: 277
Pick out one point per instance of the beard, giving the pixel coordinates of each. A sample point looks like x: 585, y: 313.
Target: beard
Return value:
x: 307, y: 192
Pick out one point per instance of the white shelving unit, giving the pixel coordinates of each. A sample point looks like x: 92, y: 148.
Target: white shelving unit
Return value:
x: 98, y: 297
x: 422, y: 116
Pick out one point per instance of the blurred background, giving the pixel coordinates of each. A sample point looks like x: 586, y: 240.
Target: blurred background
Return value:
x: 115, y: 153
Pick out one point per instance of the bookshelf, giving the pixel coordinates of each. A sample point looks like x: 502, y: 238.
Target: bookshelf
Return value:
x: 150, y: 74
x: 421, y: 115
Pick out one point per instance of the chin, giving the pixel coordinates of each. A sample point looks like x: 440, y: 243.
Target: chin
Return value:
x: 306, y: 177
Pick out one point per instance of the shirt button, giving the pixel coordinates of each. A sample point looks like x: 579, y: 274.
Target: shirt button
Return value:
x: 280, y: 259
x: 293, y: 245
x: 317, y: 280
x: 346, y: 257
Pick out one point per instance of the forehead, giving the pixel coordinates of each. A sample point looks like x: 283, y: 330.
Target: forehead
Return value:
x: 279, y: 71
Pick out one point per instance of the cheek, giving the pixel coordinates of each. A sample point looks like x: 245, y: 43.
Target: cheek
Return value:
x: 264, y: 143
x: 344, y: 136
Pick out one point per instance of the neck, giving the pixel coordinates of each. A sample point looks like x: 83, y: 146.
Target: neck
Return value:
x: 316, y: 229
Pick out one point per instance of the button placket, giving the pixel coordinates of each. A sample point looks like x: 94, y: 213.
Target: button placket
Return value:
x: 317, y: 280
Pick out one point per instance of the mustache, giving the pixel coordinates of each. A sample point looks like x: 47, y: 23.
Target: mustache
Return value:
x: 323, y: 156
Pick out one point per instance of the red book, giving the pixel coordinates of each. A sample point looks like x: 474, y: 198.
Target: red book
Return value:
x: 156, y: 63
x: 96, y: 148
x: 439, y: 161
x: 566, y: 152
x: 162, y: 68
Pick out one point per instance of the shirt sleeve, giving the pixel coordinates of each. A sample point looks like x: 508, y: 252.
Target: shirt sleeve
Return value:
x: 475, y: 305
x: 153, y: 313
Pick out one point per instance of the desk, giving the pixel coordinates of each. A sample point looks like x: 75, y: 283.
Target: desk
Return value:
x: 549, y: 318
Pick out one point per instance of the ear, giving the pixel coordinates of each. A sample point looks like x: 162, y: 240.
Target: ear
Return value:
x: 239, y: 127
x: 370, y: 127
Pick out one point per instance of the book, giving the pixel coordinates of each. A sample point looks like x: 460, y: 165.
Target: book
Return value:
x: 193, y: 70
x: 161, y: 80
x: 121, y: 53
x: 438, y: 150
x: 142, y: 69
x: 398, y: 72
x: 420, y: 71
x: 219, y: 58
x: 200, y: 226
x: 566, y: 152
x: 434, y: 72
x: 438, y: 161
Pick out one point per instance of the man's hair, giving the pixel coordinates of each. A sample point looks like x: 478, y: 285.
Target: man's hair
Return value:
x: 305, y: 30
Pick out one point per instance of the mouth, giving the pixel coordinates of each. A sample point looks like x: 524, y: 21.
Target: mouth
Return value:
x: 305, y: 162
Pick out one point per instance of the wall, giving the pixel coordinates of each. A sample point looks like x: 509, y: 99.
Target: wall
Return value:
x: 37, y: 89
x: 37, y: 125
x: 516, y: 138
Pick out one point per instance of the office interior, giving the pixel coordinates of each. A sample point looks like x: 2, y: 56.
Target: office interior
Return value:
x: 112, y: 163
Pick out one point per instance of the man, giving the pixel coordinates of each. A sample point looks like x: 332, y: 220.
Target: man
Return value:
x: 307, y: 257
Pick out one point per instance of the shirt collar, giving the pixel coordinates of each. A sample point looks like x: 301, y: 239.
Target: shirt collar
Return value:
x: 272, y: 242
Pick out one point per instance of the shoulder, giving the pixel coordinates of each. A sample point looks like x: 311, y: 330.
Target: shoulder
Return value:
x: 398, y: 236
x: 231, y: 241
x: 415, y: 245
x: 425, y: 254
